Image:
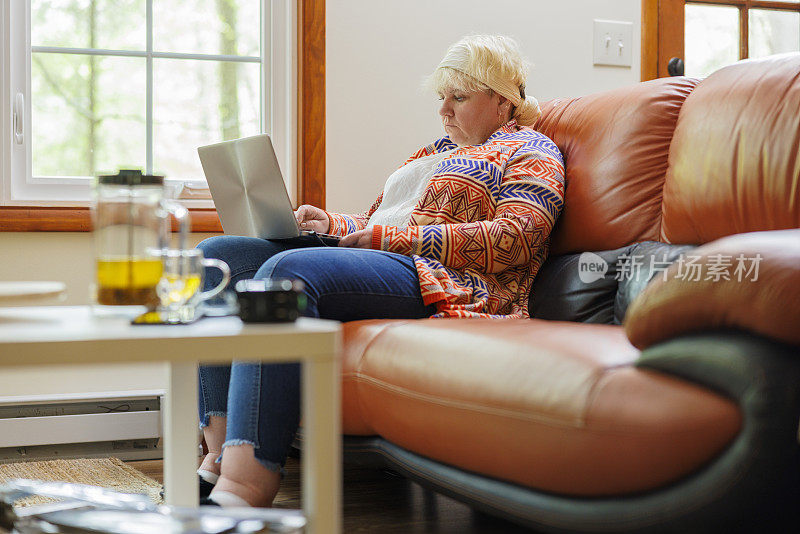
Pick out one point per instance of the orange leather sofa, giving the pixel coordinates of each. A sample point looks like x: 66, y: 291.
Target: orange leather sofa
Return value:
x: 645, y: 402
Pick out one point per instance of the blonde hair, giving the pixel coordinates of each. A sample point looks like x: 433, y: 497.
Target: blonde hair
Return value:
x: 487, y: 63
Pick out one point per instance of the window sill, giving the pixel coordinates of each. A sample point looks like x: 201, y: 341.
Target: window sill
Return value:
x: 71, y: 219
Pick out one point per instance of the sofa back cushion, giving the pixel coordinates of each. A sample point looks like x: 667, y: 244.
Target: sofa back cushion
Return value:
x: 598, y: 287
x: 734, y: 164
x: 569, y: 288
x: 615, y: 146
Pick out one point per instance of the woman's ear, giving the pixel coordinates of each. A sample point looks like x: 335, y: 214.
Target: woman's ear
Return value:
x: 503, y: 107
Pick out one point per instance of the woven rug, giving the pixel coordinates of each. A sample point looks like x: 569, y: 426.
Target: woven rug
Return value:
x: 110, y: 473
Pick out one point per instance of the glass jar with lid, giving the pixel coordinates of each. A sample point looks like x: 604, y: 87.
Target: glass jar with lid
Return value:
x: 132, y: 225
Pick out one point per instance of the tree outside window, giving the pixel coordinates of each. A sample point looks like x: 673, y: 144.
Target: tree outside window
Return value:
x: 141, y: 83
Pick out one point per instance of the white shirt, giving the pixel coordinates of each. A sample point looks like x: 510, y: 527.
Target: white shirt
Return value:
x: 403, y: 190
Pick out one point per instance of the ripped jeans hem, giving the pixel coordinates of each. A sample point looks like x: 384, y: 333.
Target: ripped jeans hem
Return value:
x: 204, y: 421
x: 271, y: 466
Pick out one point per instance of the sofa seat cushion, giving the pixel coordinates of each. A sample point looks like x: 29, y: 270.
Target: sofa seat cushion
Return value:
x: 357, y: 337
x: 551, y: 405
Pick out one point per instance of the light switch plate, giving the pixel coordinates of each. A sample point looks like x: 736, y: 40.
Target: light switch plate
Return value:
x: 613, y: 42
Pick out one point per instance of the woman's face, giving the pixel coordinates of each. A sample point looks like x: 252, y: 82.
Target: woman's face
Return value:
x: 469, y: 118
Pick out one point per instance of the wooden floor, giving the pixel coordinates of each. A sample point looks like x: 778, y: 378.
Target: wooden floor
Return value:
x: 381, y: 502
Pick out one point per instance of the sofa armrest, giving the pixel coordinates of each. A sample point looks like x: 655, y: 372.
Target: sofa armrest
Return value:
x: 745, y: 281
x: 760, y: 469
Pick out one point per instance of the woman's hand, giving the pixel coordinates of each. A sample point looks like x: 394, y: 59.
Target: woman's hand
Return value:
x: 360, y: 239
x: 312, y: 218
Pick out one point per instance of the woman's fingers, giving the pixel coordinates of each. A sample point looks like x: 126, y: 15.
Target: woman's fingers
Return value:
x: 299, y: 214
x: 312, y: 218
x: 360, y: 239
x: 304, y: 215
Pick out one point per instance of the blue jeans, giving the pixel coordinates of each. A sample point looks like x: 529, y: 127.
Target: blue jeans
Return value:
x: 262, y: 401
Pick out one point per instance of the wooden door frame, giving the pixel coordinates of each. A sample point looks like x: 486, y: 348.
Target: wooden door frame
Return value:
x: 311, y: 104
x: 662, y: 36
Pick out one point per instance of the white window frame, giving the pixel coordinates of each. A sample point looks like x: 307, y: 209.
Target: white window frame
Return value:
x: 278, y: 97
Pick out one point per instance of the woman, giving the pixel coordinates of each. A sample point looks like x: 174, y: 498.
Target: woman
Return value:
x: 460, y: 230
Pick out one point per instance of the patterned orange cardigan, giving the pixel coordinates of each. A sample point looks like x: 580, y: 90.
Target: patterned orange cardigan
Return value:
x: 481, y: 230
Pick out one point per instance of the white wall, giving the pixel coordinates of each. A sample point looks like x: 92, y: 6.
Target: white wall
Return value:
x: 378, y: 52
x: 59, y: 256
x: 67, y: 257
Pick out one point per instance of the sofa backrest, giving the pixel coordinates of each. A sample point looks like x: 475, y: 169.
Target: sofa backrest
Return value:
x: 678, y: 159
x: 675, y: 160
x: 734, y: 163
x: 615, y: 146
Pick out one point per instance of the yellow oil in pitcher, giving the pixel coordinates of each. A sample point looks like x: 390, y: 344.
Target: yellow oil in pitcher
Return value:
x: 128, y: 281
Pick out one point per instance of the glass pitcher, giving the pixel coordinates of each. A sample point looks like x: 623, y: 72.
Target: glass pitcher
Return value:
x: 131, y: 218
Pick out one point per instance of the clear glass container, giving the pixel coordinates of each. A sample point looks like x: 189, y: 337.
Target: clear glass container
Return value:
x: 132, y: 225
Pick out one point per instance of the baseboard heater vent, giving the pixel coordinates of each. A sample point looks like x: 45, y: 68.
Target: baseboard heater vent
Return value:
x: 122, y: 424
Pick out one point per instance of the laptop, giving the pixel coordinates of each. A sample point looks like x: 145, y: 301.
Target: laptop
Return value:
x: 249, y: 192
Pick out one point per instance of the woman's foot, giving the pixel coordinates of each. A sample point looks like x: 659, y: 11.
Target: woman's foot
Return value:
x: 209, y: 468
x: 214, y: 435
x: 244, y: 477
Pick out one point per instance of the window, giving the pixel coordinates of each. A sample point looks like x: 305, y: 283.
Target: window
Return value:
x: 99, y: 85
x: 721, y: 33
x: 709, y: 34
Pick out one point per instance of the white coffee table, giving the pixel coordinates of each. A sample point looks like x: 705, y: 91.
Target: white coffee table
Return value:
x: 41, y: 335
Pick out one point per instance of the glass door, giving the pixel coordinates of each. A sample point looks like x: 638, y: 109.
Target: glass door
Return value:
x: 697, y: 37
